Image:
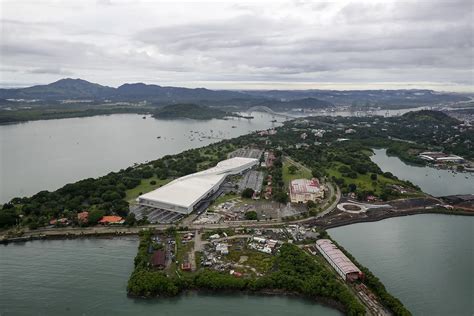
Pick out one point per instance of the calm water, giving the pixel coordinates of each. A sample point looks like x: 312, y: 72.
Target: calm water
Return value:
x: 430, y: 180
x: 45, y: 155
x: 426, y: 260
x: 88, y: 277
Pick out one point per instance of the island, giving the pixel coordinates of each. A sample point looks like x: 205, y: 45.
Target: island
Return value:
x: 191, y: 111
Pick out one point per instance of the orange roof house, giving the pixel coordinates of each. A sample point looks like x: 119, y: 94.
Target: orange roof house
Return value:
x: 112, y: 219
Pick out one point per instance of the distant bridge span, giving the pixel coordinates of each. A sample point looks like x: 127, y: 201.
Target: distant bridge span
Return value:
x: 261, y: 108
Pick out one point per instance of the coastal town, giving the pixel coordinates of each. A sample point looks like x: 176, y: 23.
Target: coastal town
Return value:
x: 233, y: 216
x: 212, y: 158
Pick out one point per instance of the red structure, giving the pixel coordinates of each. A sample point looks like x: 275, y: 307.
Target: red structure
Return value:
x: 158, y: 260
x: 112, y: 219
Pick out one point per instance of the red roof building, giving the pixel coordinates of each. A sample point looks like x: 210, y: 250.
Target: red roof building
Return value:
x: 112, y: 219
x: 186, y: 266
x: 158, y: 260
x: 304, y: 190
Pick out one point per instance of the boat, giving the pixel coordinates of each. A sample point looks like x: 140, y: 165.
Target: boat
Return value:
x: 273, y: 121
x: 144, y: 117
x: 233, y: 126
x: 158, y: 137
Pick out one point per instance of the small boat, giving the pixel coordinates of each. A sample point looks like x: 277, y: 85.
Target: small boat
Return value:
x: 144, y: 117
x: 233, y: 126
x: 158, y: 137
x: 273, y: 121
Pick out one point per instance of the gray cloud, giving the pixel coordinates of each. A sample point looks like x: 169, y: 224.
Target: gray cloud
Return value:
x: 54, y: 71
x: 288, y: 42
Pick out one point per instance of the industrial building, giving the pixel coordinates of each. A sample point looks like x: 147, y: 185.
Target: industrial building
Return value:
x: 193, y: 192
x: 440, y: 157
x: 338, y: 260
x: 304, y: 190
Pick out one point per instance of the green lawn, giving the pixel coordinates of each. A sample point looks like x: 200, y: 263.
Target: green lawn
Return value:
x: 299, y: 174
x: 144, y: 187
x: 363, y: 181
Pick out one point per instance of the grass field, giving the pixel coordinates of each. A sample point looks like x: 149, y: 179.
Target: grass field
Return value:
x: 299, y: 174
x: 363, y: 181
x: 144, y: 187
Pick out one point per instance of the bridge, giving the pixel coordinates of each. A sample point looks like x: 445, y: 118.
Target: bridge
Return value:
x: 261, y: 108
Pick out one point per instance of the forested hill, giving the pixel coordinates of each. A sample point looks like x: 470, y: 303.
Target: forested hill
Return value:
x: 78, y: 89
x: 429, y: 116
x: 190, y: 111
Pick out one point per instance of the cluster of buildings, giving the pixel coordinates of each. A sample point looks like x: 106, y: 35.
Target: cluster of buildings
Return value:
x: 268, y: 159
x: 338, y: 260
x: 263, y: 245
x: 83, y: 218
x: 267, y: 132
x: 304, y: 190
x: 299, y: 232
x: 439, y: 157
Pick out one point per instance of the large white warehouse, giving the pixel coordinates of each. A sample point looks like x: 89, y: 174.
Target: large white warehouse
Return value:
x: 184, y: 194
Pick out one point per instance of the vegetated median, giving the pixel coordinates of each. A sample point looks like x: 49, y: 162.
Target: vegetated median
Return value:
x: 293, y: 272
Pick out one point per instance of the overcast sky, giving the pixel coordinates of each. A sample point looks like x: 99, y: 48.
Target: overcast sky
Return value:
x: 240, y: 45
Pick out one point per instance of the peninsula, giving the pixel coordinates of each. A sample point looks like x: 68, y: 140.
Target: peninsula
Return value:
x: 250, y: 213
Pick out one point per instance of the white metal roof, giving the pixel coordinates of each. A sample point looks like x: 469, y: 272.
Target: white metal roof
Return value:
x: 337, y: 256
x: 188, y: 190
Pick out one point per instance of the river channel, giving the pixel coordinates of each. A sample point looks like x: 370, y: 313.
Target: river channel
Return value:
x: 433, y: 181
x: 45, y: 155
x: 424, y: 260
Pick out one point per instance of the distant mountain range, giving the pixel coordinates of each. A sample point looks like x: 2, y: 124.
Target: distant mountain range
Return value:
x: 78, y: 89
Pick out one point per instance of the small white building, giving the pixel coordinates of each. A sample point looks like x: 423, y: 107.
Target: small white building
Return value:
x: 222, y: 248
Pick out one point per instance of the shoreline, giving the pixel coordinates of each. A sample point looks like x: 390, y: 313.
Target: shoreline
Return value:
x: 318, y: 300
x: 393, y: 215
x: 76, y: 233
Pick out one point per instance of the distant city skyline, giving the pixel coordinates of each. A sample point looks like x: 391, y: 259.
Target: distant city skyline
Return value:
x: 340, y: 45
